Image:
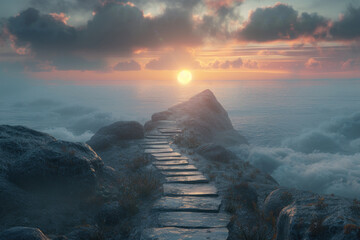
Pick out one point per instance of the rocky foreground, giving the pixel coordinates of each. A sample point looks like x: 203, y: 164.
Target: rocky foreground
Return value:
x: 174, y: 178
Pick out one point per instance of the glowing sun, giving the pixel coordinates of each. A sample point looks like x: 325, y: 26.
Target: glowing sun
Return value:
x: 184, y: 77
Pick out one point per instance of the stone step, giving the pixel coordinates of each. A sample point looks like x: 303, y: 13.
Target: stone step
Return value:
x: 180, y: 168
x: 171, y: 233
x: 156, y: 137
x: 154, y: 142
x: 170, y: 163
x: 169, y: 130
x: 188, y: 204
x: 156, y: 146
x: 159, y: 150
x: 193, y: 219
x: 179, y: 189
x: 173, y: 154
x: 171, y: 158
x: 187, y: 179
x: 180, y: 173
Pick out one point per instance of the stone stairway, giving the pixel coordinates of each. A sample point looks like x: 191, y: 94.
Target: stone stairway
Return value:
x: 190, y: 205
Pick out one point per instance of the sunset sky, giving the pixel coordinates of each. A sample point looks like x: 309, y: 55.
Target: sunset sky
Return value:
x: 99, y: 40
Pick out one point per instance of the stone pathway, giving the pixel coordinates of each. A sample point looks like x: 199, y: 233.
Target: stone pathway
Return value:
x: 190, y: 205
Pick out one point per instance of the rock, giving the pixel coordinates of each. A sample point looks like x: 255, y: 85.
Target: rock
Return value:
x: 179, y: 189
x: 193, y: 219
x: 59, y: 166
x: 202, y: 119
x: 85, y: 233
x: 316, y: 217
x: 277, y: 200
x: 215, y: 152
x: 185, y: 234
x: 22, y: 233
x: 17, y: 140
x: 115, y: 134
x: 110, y: 214
x: 12, y: 198
x: 188, y: 204
x: 36, y: 161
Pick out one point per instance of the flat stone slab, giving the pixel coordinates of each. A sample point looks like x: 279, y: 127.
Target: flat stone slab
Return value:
x: 170, y: 163
x: 188, y: 204
x: 187, y: 179
x: 172, y: 154
x: 180, y: 168
x: 171, y: 158
x: 156, y: 137
x: 150, y: 146
x: 171, y: 233
x: 158, y: 150
x: 154, y: 142
x: 169, y: 130
x: 180, y: 173
x: 179, y: 189
x: 193, y: 219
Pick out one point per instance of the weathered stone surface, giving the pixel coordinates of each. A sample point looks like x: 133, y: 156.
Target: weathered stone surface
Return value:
x: 159, y: 150
x: 154, y: 142
x: 22, y: 233
x: 173, y: 154
x: 188, y: 204
x: 51, y: 165
x: 156, y: 137
x: 204, y: 119
x: 171, y: 158
x: 180, y: 168
x: 193, y: 219
x: 180, y: 173
x: 170, y: 163
x: 115, y: 133
x: 185, y: 234
x: 155, y: 146
x: 169, y: 130
x: 187, y: 179
x: 214, y: 152
x: 178, y: 189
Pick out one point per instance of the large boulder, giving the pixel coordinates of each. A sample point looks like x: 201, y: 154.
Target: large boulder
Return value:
x: 115, y: 134
x: 36, y: 161
x: 22, y: 233
x: 319, y: 217
x: 202, y: 117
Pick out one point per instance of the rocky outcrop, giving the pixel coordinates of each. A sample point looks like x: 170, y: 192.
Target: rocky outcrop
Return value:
x: 116, y: 133
x: 202, y: 119
x: 36, y: 161
x: 22, y: 233
x: 215, y: 152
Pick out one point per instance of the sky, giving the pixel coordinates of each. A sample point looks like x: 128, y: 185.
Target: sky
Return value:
x: 108, y: 40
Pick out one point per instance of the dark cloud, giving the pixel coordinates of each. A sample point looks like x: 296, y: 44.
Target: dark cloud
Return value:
x: 348, y: 26
x: 131, y: 65
x: 280, y: 22
x: 175, y: 60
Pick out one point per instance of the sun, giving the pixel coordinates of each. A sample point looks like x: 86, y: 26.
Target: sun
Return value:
x: 184, y: 77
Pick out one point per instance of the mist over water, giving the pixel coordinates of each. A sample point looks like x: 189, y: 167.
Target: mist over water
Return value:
x: 306, y: 134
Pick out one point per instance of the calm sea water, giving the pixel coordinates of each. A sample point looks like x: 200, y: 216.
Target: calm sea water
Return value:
x: 264, y: 111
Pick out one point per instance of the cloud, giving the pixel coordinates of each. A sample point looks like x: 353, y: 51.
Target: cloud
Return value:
x: 312, y: 63
x: 115, y: 30
x: 280, y: 22
x: 235, y: 64
x: 131, y: 65
x: 351, y: 64
x: 175, y: 60
x: 347, y: 27
x: 324, y: 159
x: 66, y: 135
